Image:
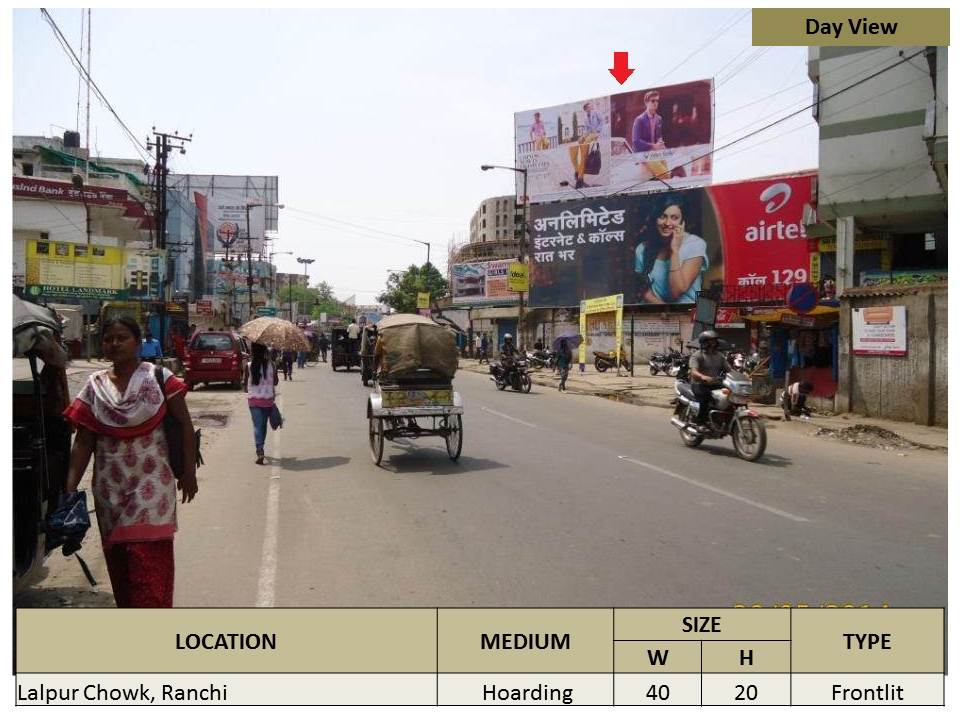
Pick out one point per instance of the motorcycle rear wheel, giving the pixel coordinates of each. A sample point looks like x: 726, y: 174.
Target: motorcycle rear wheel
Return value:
x: 600, y: 366
x: 749, y: 438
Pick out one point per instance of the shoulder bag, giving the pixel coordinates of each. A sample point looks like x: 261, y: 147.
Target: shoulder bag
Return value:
x: 174, y: 432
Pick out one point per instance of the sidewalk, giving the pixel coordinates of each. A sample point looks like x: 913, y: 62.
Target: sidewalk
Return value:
x: 657, y: 391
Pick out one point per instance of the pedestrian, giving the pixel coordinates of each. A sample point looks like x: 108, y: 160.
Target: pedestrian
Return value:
x: 119, y: 418
x: 259, y: 382
x: 286, y: 362
x: 150, y: 348
x: 323, y: 343
x: 484, y: 349
x: 564, y: 358
x: 477, y: 342
x: 353, y: 334
x: 301, y: 359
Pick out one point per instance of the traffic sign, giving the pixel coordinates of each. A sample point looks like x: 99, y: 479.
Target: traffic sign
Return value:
x: 267, y: 311
x: 802, y: 298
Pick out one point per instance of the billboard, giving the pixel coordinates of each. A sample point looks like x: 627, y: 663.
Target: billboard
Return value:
x: 880, y: 330
x: 227, y: 197
x: 227, y: 277
x: 482, y: 282
x: 143, y: 273
x: 617, y: 143
x: 663, y: 248
x: 76, y: 270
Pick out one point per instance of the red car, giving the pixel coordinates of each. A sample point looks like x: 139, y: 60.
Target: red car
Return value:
x: 215, y: 357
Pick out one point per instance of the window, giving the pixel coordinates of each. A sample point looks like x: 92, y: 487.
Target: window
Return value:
x: 212, y: 342
x: 483, y: 210
x: 484, y: 223
x: 28, y: 168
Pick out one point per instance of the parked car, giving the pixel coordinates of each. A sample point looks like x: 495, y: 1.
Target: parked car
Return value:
x: 216, y: 357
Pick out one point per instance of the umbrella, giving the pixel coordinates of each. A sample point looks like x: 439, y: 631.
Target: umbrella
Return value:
x: 573, y: 342
x: 281, y: 334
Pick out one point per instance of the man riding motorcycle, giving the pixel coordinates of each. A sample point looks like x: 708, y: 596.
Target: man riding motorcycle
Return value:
x: 509, y: 352
x: 706, y: 367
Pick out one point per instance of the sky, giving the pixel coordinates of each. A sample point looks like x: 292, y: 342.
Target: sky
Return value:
x: 382, y: 118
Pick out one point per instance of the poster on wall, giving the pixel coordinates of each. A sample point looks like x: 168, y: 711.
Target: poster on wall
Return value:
x: 880, y: 330
x: 664, y: 248
x: 629, y: 142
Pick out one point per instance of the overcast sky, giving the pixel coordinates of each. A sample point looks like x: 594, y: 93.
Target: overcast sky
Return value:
x: 381, y: 118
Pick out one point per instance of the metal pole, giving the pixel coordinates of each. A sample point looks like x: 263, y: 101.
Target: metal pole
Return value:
x: 633, y: 362
x: 523, y: 244
x: 290, y: 296
x: 249, y: 267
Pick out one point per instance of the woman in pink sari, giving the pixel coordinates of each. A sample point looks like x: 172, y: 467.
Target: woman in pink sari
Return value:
x: 119, y: 415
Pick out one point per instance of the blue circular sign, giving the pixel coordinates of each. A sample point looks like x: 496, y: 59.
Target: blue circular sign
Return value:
x: 802, y: 298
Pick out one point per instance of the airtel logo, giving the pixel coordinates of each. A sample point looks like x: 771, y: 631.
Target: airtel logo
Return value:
x: 771, y: 194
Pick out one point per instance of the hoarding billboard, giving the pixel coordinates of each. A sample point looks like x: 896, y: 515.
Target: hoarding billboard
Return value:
x: 225, y: 278
x: 482, y: 282
x: 62, y: 269
x: 663, y: 248
x: 227, y: 197
x: 617, y: 143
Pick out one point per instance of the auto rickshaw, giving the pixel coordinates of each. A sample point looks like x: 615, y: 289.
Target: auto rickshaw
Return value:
x: 342, y: 351
x: 41, y: 435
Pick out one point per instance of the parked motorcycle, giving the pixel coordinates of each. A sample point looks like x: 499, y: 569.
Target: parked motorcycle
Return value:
x: 660, y: 363
x: 603, y: 361
x: 516, y: 376
x: 737, y: 360
x: 729, y: 415
x: 677, y: 362
x: 539, y: 359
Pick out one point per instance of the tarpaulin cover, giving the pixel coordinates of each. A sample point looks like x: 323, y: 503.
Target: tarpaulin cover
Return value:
x: 413, y: 342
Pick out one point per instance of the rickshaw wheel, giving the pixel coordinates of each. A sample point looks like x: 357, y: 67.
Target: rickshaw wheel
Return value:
x: 454, y: 437
x: 376, y: 439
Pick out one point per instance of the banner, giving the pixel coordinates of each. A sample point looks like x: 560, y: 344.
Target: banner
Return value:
x: 482, y: 282
x: 880, y: 330
x: 663, y: 248
x: 617, y: 143
x: 226, y: 277
x: 519, y: 277
x: 227, y: 197
x: 596, y: 317
x: 61, y: 269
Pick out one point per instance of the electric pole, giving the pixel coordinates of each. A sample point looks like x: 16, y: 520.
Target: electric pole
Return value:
x: 162, y: 145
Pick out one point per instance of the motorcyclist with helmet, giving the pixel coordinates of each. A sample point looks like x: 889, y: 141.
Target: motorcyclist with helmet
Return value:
x: 706, y: 368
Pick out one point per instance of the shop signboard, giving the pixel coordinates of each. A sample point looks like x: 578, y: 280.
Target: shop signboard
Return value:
x: 880, y: 330
x: 729, y: 318
x: 63, y: 270
x: 617, y: 143
x: 519, y: 278
x: 748, y: 235
x: 205, y: 307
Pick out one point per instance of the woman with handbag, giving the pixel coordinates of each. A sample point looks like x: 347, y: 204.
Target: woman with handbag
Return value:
x: 119, y: 416
x: 259, y: 382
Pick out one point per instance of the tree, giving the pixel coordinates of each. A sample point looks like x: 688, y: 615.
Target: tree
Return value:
x: 402, y: 288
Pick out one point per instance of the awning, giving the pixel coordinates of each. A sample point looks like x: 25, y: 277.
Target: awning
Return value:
x: 778, y: 315
x: 53, y: 155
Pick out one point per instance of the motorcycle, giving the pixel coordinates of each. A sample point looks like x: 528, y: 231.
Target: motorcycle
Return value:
x: 737, y: 360
x: 660, y: 363
x: 516, y: 376
x: 729, y: 415
x: 539, y: 359
x: 603, y: 361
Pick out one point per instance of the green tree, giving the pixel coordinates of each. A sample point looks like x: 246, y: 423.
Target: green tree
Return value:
x: 402, y: 287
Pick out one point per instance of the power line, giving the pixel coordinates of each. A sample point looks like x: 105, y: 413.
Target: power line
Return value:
x: 709, y: 40
x: 100, y: 96
x: 780, y: 120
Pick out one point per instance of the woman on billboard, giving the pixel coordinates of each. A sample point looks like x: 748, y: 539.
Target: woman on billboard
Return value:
x: 670, y: 262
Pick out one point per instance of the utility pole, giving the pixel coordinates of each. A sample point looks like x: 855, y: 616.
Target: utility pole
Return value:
x: 249, y: 267
x: 163, y: 146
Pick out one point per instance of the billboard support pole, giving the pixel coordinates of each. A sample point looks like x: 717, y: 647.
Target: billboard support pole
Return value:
x: 523, y: 248
x: 633, y: 354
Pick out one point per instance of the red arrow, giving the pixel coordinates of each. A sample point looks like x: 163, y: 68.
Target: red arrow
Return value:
x: 620, y: 69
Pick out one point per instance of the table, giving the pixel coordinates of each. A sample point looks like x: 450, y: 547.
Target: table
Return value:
x: 494, y: 656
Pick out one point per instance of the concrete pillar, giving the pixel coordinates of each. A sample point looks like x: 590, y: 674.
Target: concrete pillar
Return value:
x: 845, y: 248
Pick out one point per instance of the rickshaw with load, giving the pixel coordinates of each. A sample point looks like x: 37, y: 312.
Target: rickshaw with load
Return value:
x: 413, y: 395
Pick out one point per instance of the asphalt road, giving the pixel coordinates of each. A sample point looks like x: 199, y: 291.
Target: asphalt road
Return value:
x: 557, y: 500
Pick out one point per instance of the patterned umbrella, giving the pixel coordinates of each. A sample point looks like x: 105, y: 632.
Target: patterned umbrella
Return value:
x: 281, y: 334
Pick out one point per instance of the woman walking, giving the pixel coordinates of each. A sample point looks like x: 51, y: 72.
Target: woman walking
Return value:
x: 259, y: 382
x: 564, y: 358
x: 118, y: 416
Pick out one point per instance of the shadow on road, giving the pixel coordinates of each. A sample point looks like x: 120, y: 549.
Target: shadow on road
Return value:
x: 419, y: 459
x: 319, y: 463
x: 768, y: 459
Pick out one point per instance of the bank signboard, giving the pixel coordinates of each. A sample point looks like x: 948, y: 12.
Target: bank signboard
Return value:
x: 627, y: 142
x: 663, y: 248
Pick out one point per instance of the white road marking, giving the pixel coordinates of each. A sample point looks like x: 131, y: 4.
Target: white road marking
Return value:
x: 507, y: 417
x: 711, y: 488
x: 266, y: 585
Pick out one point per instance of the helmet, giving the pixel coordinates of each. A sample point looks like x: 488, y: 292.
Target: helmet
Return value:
x: 508, y: 336
x: 707, y: 335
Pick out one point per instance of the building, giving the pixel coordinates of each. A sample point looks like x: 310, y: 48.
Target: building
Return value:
x: 494, y: 231
x: 880, y: 209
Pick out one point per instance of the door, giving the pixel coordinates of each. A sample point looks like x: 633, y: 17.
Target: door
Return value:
x: 504, y: 327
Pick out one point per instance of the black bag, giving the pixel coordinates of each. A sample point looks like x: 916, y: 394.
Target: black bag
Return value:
x: 174, y: 433
x: 592, y: 165
x: 276, y: 419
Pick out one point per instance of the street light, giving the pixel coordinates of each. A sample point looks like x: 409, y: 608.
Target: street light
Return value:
x: 273, y: 274
x: 247, y: 207
x: 523, y: 235
x: 304, y: 262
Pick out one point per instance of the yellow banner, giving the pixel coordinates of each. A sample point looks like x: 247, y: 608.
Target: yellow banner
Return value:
x: 843, y: 27
x: 591, y: 306
x: 601, y: 304
x: 74, y: 265
x: 423, y: 301
x: 519, y: 278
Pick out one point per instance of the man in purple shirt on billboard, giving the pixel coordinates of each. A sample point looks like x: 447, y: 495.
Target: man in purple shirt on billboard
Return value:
x: 648, y: 127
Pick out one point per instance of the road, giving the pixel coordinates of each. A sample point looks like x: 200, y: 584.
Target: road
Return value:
x: 557, y: 500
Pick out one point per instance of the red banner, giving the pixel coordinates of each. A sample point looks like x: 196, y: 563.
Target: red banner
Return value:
x: 764, y: 243
x: 206, y: 241
x: 31, y: 187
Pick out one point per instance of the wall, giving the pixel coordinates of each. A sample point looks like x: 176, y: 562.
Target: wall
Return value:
x: 911, y: 388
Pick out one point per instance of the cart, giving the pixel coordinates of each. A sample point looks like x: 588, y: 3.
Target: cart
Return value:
x: 343, y: 351
x: 421, y: 407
